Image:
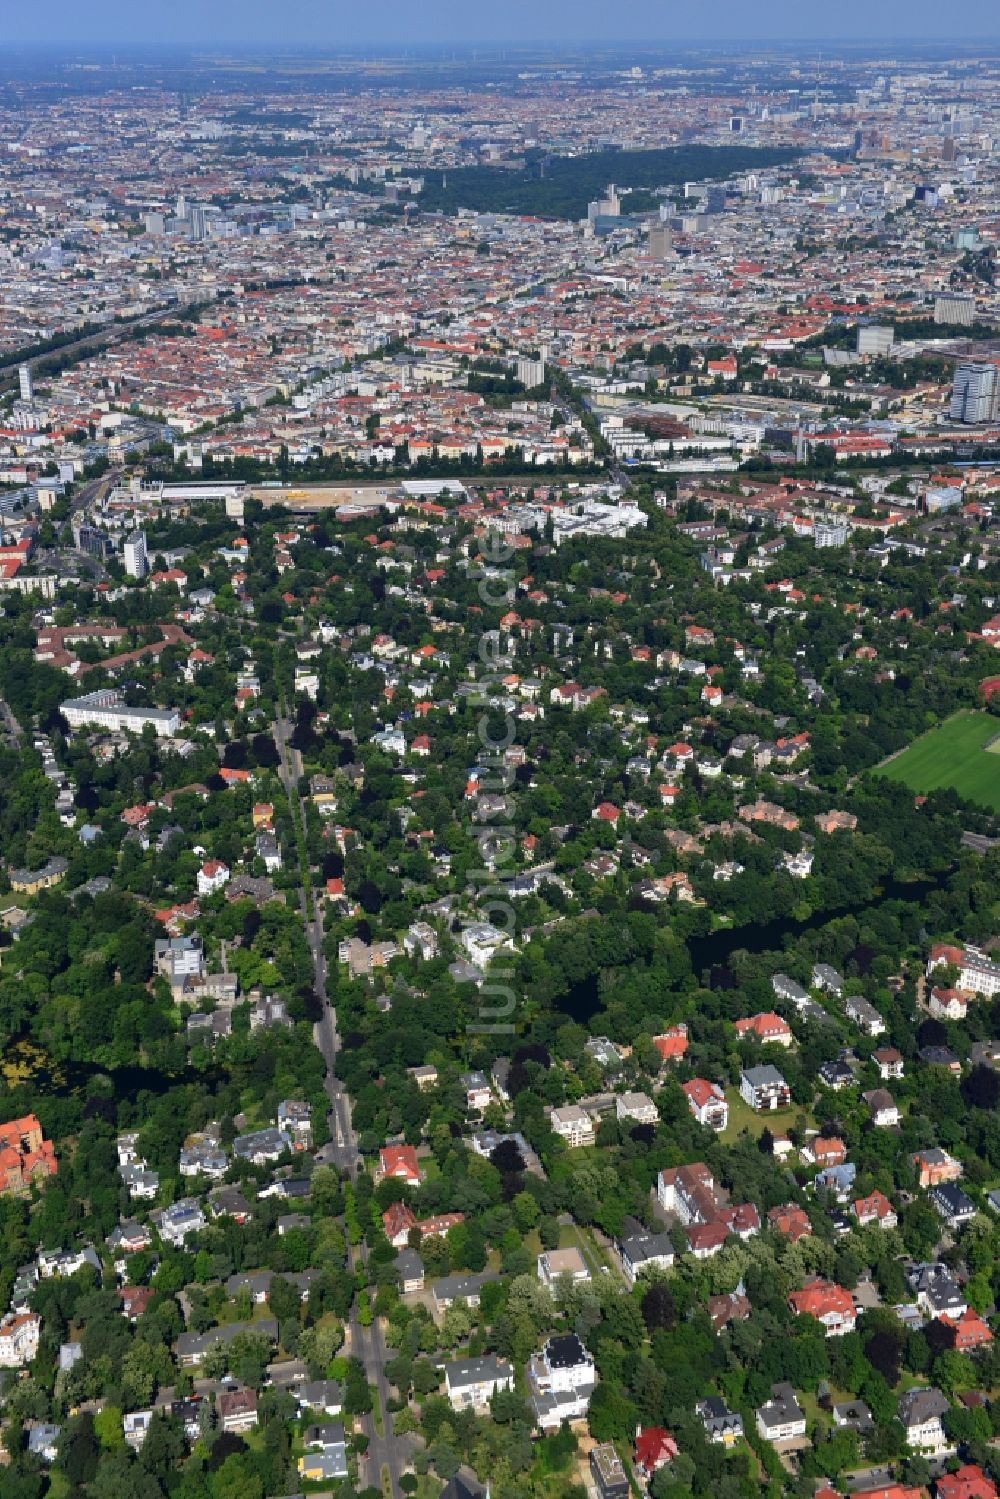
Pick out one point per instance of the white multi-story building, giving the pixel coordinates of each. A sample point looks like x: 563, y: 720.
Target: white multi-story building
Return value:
x: 106, y: 709
x: 830, y: 533
x: 135, y: 1424
x: 707, y: 1103
x: 471, y: 1383
x: 554, y: 1264
x: 638, y: 1106
x: 562, y: 1379
x: 574, y: 1125
x: 864, y: 1015
x: 178, y: 958
x: 921, y: 1412
x: 478, y: 1093
x: 975, y: 392
x: 54, y: 1264
x: 482, y: 941
x: 212, y: 875
x: 140, y: 1182
x: 530, y: 371
x: 764, y: 1088
x: 134, y: 555
x: 781, y: 1419
x: 19, y: 1333
x: 976, y: 972
x: 180, y: 1219
x: 644, y: 1251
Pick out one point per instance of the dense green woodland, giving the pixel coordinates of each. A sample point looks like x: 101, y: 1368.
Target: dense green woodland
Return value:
x: 562, y: 186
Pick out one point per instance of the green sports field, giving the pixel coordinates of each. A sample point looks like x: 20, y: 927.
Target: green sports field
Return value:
x: 954, y: 754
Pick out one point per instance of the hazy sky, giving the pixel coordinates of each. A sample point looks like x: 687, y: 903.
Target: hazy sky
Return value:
x: 389, y: 22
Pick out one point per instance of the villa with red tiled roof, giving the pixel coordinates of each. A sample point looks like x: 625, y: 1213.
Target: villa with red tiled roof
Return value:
x: 707, y: 1103
x: 826, y: 1150
x: 766, y: 1027
x: 875, y: 1208
x: 672, y: 1043
x: 790, y: 1220
x: 399, y: 1163
x: 967, y: 1331
x: 397, y: 1220
x: 890, y: 1491
x: 828, y: 1303
x: 233, y: 777
x: 138, y: 816
x: 25, y: 1155
x: 653, y: 1448
x: 970, y: 1482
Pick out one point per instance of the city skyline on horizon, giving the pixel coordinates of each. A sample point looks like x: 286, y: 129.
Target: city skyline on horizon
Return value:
x: 391, y: 24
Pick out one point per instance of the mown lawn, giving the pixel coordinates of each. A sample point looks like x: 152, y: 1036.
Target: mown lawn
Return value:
x: 955, y: 755
x: 742, y: 1117
x: 572, y: 1237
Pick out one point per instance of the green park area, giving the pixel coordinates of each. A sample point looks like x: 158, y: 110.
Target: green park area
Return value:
x: 960, y: 753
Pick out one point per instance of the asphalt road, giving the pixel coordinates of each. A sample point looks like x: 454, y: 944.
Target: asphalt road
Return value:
x: 366, y: 1343
x: 342, y: 1150
x: 10, y: 729
x: 386, y: 1451
x: 89, y: 491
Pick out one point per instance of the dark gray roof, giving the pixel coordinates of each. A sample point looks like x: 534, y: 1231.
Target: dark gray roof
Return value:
x: 465, y: 1371
x: 464, y: 1485
x: 450, y: 1287
x: 195, y: 1344
x: 409, y: 1265
x: 952, y: 1201
x: 565, y: 1351
x: 764, y: 1076
x: 917, y: 1406
x: 638, y: 1248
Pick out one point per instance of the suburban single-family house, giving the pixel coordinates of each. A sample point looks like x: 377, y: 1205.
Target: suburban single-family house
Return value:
x: 882, y: 1108
x: 645, y: 1251
x: 937, y: 1291
x: 782, y: 1418
x: 921, y: 1412
x: 864, y: 1015
x: 553, y: 1264
x: 954, y: 1206
x: 399, y: 1163
x: 875, y: 1208
x: 723, y: 1426
x: 829, y: 1303
x: 471, y: 1383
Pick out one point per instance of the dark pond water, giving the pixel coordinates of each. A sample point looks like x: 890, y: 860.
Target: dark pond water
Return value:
x: 582, y: 1001
x: 71, y: 1079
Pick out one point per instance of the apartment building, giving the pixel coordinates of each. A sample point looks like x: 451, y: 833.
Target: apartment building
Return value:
x: 573, y: 1125
x: 471, y: 1383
